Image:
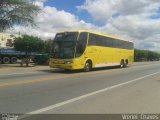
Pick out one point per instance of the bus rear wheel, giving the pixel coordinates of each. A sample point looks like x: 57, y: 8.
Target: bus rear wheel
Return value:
x: 88, y: 66
x: 126, y: 62
x: 122, y: 64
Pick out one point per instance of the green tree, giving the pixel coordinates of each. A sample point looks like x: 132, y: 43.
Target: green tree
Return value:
x: 17, y: 12
x: 28, y: 44
x: 47, y: 46
x: 141, y: 55
x: 153, y: 55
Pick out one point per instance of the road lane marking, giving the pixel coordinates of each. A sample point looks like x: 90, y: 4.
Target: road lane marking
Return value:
x: 51, y: 107
x: 18, y: 73
x: 5, y: 84
x: 31, y: 81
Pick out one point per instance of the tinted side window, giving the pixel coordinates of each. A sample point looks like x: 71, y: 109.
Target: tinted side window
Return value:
x: 109, y: 42
x: 92, y: 39
x: 122, y: 44
x: 100, y: 40
x: 81, y: 44
x: 130, y: 46
x: 117, y: 43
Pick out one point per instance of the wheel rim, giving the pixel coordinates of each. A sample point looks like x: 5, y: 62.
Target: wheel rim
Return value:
x: 14, y: 60
x: 6, y: 60
x: 122, y: 64
x: 87, y: 66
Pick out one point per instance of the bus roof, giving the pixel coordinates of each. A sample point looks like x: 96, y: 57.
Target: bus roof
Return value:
x: 98, y: 33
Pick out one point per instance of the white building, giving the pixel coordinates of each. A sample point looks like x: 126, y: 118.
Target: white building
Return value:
x: 6, y: 40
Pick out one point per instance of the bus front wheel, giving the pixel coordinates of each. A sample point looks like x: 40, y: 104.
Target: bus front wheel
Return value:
x: 88, y: 66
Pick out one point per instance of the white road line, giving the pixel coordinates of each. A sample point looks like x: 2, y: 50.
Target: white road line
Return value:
x: 88, y: 95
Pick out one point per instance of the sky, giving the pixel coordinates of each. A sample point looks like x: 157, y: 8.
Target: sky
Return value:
x: 135, y: 20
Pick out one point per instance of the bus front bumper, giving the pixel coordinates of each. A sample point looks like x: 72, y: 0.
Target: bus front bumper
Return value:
x: 63, y: 66
x: 69, y: 66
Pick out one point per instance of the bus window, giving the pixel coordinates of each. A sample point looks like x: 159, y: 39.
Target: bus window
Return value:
x: 81, y: 44
x: 64, y: 45
x: 92, y: 39
x: 68, y: 48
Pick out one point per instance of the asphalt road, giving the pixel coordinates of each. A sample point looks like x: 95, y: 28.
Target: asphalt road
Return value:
x: 135, y: 89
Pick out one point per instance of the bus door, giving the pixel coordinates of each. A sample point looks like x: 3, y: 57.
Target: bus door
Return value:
x: 81, y: 47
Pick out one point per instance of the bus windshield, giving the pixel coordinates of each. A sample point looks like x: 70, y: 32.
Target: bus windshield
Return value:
x: 64, y: 45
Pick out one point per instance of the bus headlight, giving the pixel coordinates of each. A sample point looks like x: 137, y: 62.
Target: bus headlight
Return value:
x: 68, y: 62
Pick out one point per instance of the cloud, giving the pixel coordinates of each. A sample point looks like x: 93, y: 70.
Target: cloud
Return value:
x: 50, y: 21
x: 128, y: 19
x: 104, y: 9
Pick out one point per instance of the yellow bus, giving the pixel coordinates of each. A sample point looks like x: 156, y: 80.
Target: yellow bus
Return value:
x: 83, y: 49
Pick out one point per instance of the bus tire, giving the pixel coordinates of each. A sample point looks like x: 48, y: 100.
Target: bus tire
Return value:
x: 122, y: 64
x: 88, y: 66
x: 6, y: 60
x: 13, y: 60
x: 126, y: 63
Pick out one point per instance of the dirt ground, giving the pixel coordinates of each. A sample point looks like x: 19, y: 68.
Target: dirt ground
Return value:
x: 5, y: 68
